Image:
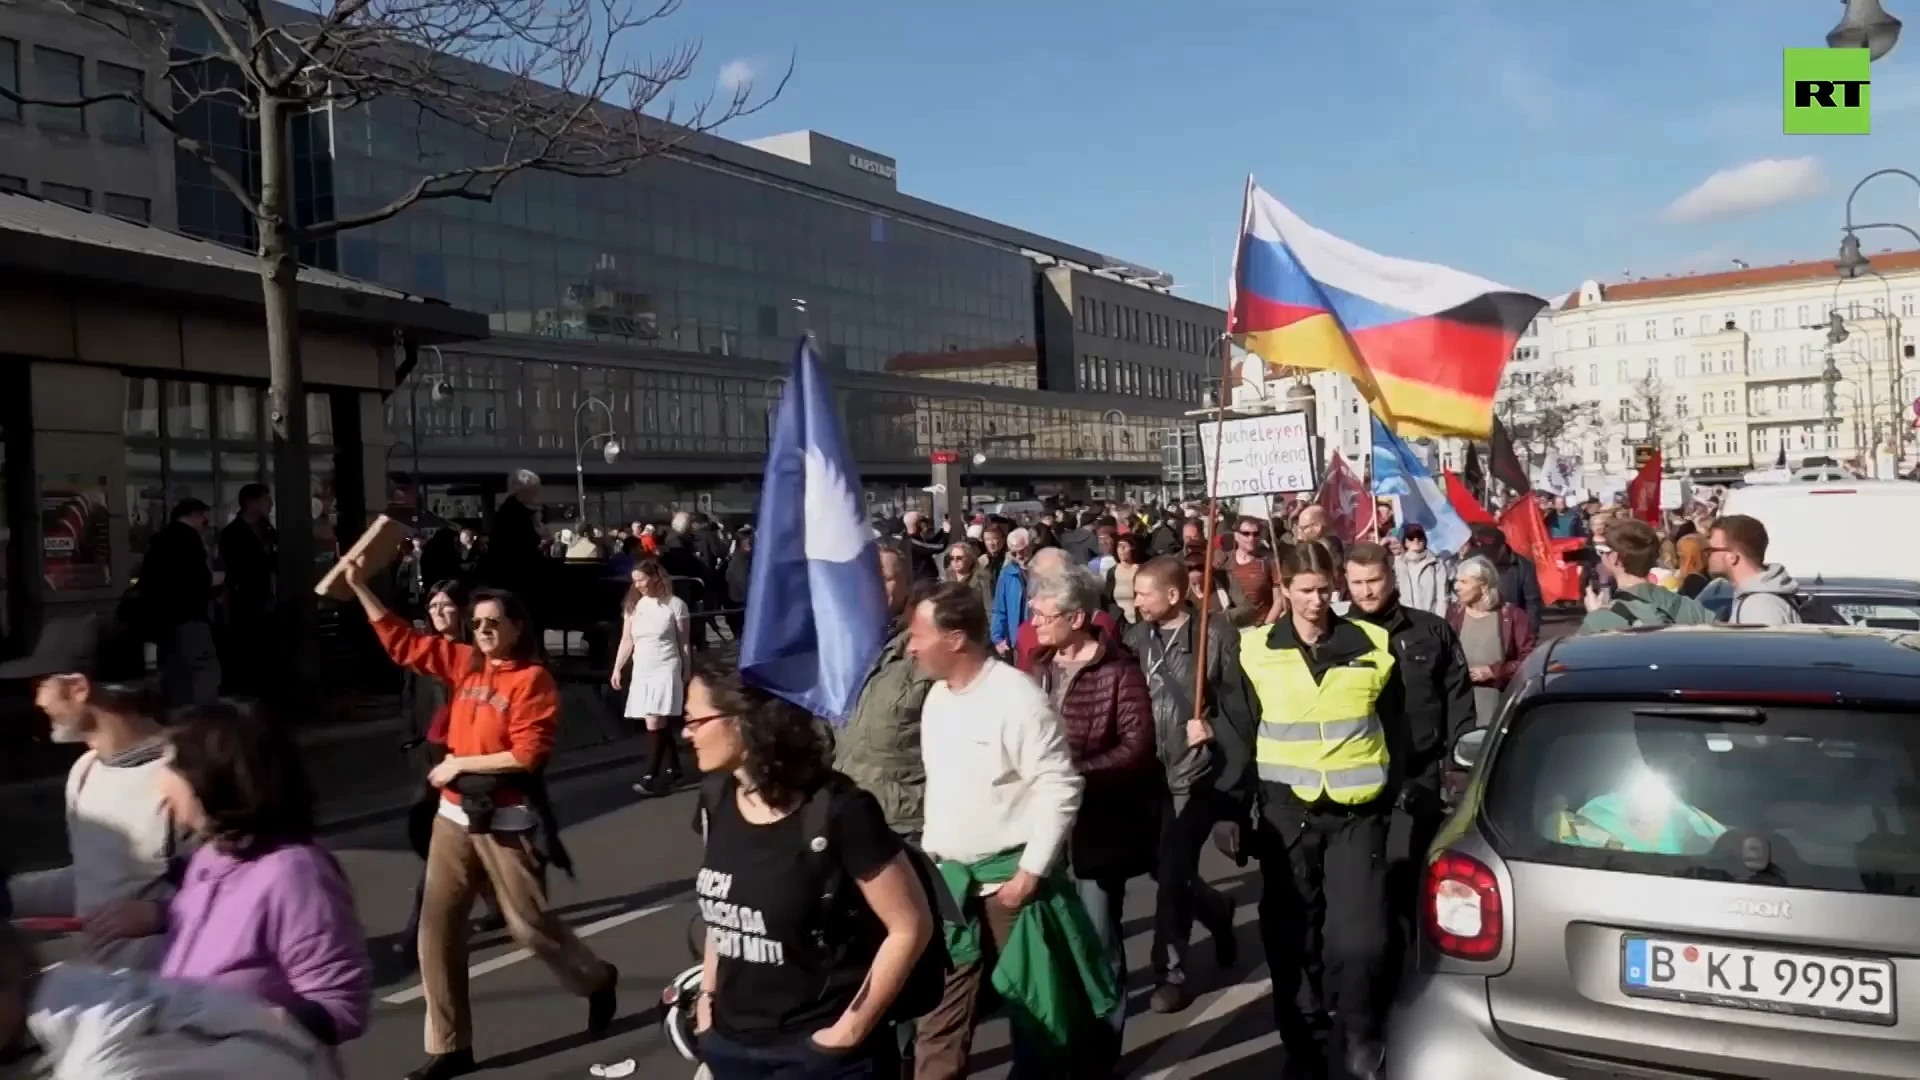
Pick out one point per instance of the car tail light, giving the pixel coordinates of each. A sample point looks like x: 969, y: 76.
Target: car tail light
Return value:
x: 1462, y: 907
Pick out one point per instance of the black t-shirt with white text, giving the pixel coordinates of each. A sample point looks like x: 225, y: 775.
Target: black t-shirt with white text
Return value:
x: 788, y: 966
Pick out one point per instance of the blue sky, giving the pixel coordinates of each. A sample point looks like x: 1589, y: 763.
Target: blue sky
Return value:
x: 1536, y: 144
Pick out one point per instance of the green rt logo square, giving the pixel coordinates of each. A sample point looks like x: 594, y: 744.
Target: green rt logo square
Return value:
x: 1827, y: 92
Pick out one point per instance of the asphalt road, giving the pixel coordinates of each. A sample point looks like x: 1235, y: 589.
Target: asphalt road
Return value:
x: 636, y: 860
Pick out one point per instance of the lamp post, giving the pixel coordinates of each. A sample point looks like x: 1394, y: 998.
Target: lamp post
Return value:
x: 610, y: 452
x: 1851, y: 265
x: 1865, y: 25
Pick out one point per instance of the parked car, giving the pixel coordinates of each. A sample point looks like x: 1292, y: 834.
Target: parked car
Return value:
x: 1683, y: 852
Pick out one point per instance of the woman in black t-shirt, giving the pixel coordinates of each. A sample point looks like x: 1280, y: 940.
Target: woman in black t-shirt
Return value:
x: 799, y: 973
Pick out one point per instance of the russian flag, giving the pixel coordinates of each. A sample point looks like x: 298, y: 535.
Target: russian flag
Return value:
x: 1424, y: 344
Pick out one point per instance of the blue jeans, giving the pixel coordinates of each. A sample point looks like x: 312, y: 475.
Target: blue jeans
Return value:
x: 798, y: 1060
x: 1103, y: 900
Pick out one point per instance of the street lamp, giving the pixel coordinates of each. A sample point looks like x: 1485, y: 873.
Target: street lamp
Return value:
x: 609, y: 452
x: 1865, y: 25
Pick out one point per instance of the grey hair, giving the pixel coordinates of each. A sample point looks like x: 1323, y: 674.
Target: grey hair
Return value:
x: 1051, y: 561
x: 1481, y: 569
x: 1072, y: 588
x: 524, y: 479
x: 1019, y: 538
x: 681, y: 519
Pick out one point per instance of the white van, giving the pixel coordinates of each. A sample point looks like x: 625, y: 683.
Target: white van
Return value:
x: 1837, y: 529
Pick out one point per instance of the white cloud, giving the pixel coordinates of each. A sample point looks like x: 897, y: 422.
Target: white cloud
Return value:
x: 1746, y: 188
x: 735, y: 74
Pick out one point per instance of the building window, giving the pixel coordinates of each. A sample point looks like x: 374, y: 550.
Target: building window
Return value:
x: 130, y: 207
x: 1683, y: 442
x: 77, y: 197
x: 59, y: 75
x: 1706, y: 363
x: 1800, y: 315
x: 1906, y: 303
x: 1679, y: 326
x: 1780, y: 398
x: 13, y: 183
x: 1621, y: 371
x: 122, y: 121
x: 1653, y: 368
x: 1593, y: 374
x: 1806, y: 356
x: 1679, y: 367
x: 1620, y: 334
x: 1706, y: 324
x: 1706, y: 403
x: 1760, y: 440
x: 1753, y: 320
x: 1593, y: 337
x: 1680, y: 405
x: 1653, y: 329
x: 1626, y: 411
x: 1726, y: 361
x: 207, y: 441
x: 1728, y: 404
x: 1833, y: 438
x: 1806, y: 396
x: 1780, y: 357
x: 1779, y: 318
x: 1713, y: 443
x: 9, y: 77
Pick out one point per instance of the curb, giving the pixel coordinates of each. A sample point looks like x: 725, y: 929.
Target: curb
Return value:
x: 361, y: 819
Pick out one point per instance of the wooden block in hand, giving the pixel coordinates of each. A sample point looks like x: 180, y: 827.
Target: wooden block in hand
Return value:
x: 380, y: 545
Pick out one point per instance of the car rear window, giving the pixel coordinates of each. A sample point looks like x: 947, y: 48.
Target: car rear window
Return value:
x: 1787, y: 796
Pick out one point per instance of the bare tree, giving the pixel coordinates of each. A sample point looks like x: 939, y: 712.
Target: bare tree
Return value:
x: 1539, y: 414
x: 554, y: 86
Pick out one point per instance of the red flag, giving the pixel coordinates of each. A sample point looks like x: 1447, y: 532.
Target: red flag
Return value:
x: 1643, y: 494
x: 1464, y: 503
x: 1344, y: 498
x: 1526, y: 532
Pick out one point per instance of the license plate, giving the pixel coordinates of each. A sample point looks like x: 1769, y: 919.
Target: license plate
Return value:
x: 1804, y: 984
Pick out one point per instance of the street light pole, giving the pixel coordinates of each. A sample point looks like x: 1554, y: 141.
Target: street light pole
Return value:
x: 611, y: 452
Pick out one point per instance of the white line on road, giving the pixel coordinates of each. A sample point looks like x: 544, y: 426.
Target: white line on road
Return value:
x: 1173, y: 1059
x: 514, y: 956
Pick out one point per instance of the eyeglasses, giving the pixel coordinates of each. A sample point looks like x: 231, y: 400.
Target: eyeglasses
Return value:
x: 1253, y: 535
x: 691, y: 722
x: 487, y: 622
x: 1038, y: 616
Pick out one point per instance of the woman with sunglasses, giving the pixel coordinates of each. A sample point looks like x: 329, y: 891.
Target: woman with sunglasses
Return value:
x: 966, y: 564
x: 654, y: 636
x: 797, y: 987
x: 503, y: 716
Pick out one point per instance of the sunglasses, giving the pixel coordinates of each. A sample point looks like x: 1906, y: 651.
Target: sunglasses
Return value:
x: 487, y: 622
x: 1253, y: 535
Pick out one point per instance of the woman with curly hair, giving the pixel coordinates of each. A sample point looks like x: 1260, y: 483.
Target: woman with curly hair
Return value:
x: 796, y: 987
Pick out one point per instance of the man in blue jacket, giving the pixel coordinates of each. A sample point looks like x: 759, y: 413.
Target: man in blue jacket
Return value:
x: 1010, y: 594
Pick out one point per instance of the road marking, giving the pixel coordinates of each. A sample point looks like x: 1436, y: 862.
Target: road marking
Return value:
x: 1227, y: 1055
x: 1174, y: 1056
x: 514, y: 956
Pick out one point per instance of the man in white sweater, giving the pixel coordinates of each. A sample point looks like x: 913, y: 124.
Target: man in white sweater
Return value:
x: 999, y: 779
x: 89, y: 680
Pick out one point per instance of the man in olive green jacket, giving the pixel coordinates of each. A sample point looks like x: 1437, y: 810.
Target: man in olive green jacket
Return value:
x: 879, y: 748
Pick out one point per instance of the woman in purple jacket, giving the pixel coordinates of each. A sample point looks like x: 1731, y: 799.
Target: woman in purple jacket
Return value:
x: 263, y: 909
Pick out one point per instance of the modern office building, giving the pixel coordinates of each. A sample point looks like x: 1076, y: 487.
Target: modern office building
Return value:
x: 674, y: 296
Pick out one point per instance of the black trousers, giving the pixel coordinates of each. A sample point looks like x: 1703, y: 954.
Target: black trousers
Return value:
x: 1181, y: 893
x: 1411, y: 834
x: 1325, y: 920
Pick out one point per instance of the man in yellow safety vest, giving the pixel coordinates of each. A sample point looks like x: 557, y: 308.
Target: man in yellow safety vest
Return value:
x: 1325, y: 692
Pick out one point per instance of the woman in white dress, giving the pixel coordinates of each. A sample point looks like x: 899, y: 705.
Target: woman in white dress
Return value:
x: 653, y: 635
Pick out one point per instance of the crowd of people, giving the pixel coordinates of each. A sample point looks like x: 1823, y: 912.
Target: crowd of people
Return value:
x: 1038, y: 731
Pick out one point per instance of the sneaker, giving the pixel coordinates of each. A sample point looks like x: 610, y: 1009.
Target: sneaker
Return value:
x: 648, y: 787
x: 444, y: 1066
x: 603, y: 1003
x: 1169, y: 998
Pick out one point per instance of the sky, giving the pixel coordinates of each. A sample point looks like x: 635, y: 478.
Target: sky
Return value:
x: 1538, y: 145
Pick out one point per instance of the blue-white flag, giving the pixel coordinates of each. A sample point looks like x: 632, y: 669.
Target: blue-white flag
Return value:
x: 816, y: 610
x: 1397, y: 471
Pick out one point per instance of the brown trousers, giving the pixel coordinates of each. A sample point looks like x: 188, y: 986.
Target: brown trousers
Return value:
x: 944, y: 1040
x: 459, y: 864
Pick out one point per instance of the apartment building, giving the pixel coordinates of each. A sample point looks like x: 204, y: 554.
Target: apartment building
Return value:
x: 110, y: 157
x: 1725, y: 370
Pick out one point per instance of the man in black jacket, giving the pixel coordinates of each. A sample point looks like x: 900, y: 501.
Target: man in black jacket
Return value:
x: 173, y: 611
x: 1206, y: 777
x: 1079, y: 538
x: 249, y: 555
x: 1438, y: 697
x: 1519, y: 582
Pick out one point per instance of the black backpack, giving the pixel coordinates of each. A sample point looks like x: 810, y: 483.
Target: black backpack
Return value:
x: 1815, y: 611
x: 927, y: 982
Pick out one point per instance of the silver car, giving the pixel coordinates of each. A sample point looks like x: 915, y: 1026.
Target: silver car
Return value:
x: 1687, y: 853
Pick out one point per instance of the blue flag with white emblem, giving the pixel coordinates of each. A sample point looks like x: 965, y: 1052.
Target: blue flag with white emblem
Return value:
x: 816, y: 608
x: 1397, y: 471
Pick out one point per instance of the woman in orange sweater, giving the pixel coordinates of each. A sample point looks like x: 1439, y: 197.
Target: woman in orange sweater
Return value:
x: 503, y: 712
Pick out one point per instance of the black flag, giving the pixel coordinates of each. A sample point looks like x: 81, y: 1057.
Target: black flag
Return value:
x: 1506, y: 464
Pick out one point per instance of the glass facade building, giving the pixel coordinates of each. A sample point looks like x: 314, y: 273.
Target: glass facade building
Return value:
x: 675, y: 294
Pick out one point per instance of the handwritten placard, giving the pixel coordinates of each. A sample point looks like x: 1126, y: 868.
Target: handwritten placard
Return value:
x: 1259, y: 455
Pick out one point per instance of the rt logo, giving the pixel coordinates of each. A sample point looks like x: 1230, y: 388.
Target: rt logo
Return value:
x: 1827, y: 92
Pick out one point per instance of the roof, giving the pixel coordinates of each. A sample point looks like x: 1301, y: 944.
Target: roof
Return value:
x: 50, y: 241
x: 1752, y: 277
x: 1654, y: 663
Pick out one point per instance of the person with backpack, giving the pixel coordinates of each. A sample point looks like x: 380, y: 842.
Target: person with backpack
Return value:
x: 1629, y: 554
x: 819, y: 922
x: 1763, y: 594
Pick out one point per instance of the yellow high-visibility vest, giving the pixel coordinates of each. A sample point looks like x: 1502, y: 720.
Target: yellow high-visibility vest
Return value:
x: 1321, y: 739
